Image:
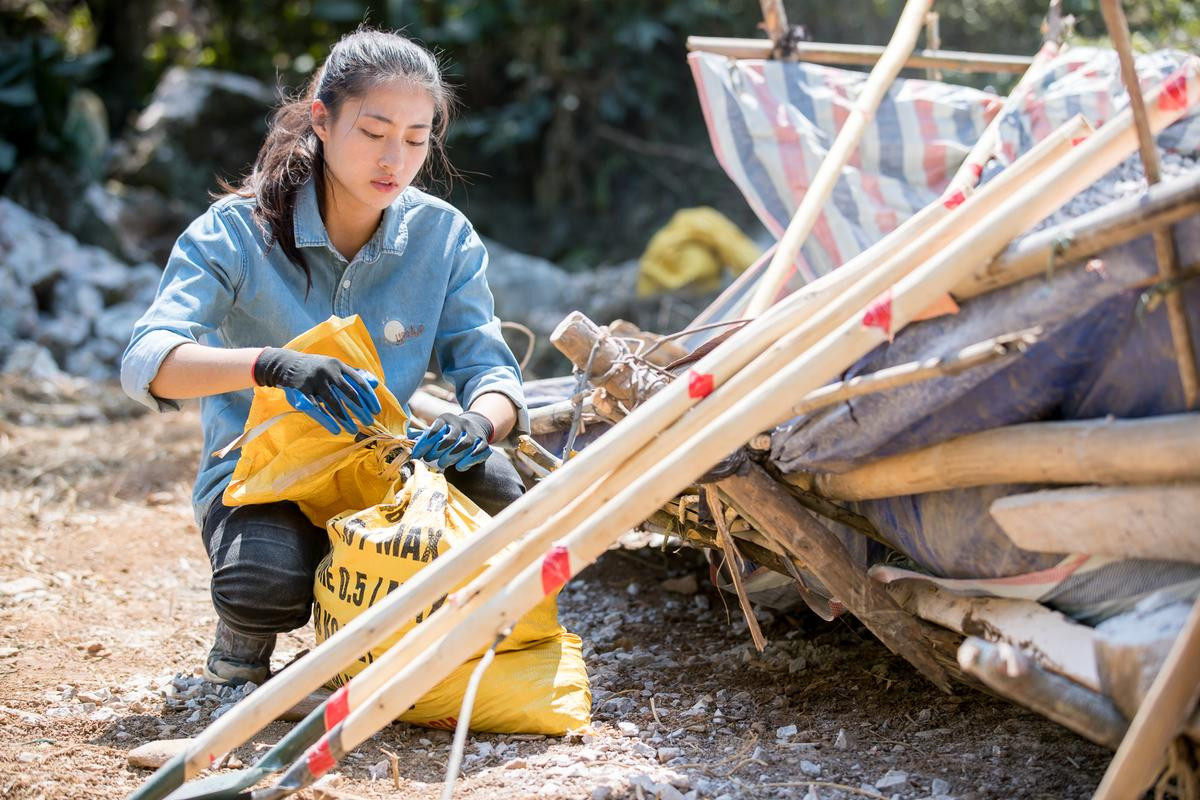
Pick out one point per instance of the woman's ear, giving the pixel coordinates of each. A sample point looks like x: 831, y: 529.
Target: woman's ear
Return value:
x: 321, y: 119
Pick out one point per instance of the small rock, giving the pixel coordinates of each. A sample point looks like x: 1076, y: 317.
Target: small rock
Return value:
x: 841, y: 743
x: 94, y: 648
x: 632, y: 589
x: 786, y: 732
x: 809, y: 768
x: 9, y: 652
x: 894, y: 779
x: 601, y: 792
x: 379, y: 770
x: 21, y: 586
x: 234, y: 763
x: 685, y: 585
x: 759, y: 754
x: 939, y: 787
x: 194, y: 717
x: 668, y: 792
x: 627, y: 728
x: 643, y: 749
x: 516, y: 763
x: 29, y: 758
x: 153, y: 755
x: 665, y: 754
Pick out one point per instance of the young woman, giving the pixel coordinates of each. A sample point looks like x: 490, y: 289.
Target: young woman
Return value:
x: 328, y: 222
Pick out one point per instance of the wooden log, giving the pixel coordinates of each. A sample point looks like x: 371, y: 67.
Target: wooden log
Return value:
x: 1092, y: 233
x: 821, y: 187
x: 1159, y: 522
x: 598, y: 354
x: 1164, y: 244
x: 1106, y: 451
x: 862, y: 55
x: 1012, y: 674
x: 1056, y: 642
x: 1159, y: 720
x: 557, y: 417
x: 642, y: 481
x: 770, y: 509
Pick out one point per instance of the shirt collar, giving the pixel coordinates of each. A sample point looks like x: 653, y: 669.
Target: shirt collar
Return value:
x: 390, y: 237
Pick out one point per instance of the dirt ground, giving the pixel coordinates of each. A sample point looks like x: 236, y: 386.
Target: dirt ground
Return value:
x: 105, y: 615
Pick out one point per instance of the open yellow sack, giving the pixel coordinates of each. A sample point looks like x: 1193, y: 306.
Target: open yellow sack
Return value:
x: 385, y: 525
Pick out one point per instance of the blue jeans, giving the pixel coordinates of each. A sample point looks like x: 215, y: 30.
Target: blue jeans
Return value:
x: 264, y: 556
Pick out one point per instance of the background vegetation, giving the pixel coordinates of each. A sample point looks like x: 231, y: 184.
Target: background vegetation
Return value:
x: 581, y: 132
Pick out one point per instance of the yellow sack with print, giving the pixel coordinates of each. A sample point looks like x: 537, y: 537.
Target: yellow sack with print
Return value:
x: 386, y: 519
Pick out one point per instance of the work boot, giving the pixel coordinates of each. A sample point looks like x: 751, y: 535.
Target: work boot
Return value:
x: 236, y: 659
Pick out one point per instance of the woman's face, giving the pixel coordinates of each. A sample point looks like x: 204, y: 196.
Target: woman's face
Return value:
x: 375, y: 144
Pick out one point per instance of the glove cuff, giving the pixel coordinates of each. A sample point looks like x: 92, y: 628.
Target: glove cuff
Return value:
x: 485, y: 422
x: 267, y: 366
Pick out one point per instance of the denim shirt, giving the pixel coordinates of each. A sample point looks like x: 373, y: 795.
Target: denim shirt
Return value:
x: 418, y: 285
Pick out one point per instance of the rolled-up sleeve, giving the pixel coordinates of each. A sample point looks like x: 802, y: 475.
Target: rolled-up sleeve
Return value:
x: 470, y: 349
x: 197, y: 289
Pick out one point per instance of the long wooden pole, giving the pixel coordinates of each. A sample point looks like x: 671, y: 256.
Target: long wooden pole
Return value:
x: 863, y: 55
x: 491, y: 603
x: 928, y: 232
x: 1102, y: 451
x: 1164, y: 244
x: 851, y: 133
x: 1159, y: 719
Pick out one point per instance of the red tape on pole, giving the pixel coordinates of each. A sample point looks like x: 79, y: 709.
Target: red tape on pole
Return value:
x: 337, y: 707
x: 700, y: 384
x: 879, y: 314
x: 556, y: 569
x: 320, y: 760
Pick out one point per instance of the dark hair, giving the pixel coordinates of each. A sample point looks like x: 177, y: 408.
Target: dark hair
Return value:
x: 292, y: 152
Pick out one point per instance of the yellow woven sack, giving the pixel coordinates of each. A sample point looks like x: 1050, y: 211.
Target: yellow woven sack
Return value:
x: 384, y: 528
x: 537, y: 682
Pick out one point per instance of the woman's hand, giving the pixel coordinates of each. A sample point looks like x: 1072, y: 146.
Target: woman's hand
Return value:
x: 323, y: 387
x: 455, y: 440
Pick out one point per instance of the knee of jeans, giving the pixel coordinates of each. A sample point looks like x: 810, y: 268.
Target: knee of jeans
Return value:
x: 260, y: 602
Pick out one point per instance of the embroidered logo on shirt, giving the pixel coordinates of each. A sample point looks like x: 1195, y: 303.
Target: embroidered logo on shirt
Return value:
x: 396, y: 332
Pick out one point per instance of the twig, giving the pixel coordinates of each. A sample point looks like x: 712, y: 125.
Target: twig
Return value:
x: 395, y: 759
x: 654, y: 710
x: 734, y: 561
x: 464, y: 716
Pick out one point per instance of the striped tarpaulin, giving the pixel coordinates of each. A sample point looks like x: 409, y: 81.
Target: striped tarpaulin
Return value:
x: 771, y: 123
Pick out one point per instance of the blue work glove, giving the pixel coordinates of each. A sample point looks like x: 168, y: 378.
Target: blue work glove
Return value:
x: 455, y: 440
x: 320, y: 386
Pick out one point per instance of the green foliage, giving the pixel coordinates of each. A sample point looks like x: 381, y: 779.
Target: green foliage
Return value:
x: 41, y: 110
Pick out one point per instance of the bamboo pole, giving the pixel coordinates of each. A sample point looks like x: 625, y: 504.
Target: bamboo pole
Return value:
x: 1094, y: 232
x: 1164, y: 244
x: 1012, y: 674
x: 1159, y: 719
x: 863, y: 55
x: 986, y: 352
x: 666, y: 465
x: 1101, y: 451
x: 775, y: 22
x: 851, y: 133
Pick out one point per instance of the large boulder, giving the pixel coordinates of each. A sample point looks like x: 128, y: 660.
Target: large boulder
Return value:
x: 200, y: 124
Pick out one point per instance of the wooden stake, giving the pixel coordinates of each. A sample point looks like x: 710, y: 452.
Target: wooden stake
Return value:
x: 579, y: 481
x: 775, y: 22
x: 851, y: 133
x: 862, y: 55
x: 1164, y: 243
x: 1013, y: 674
x: 933, y: 41
x: 1105, y: 451
x: 1156, y: 522
x: 1160, y: 718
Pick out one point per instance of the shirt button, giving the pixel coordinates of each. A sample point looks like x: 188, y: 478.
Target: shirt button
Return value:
x: 346, y: 284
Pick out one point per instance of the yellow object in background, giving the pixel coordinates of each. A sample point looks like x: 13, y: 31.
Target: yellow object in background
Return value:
x: 384, y: 528
x: 692, y: 249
